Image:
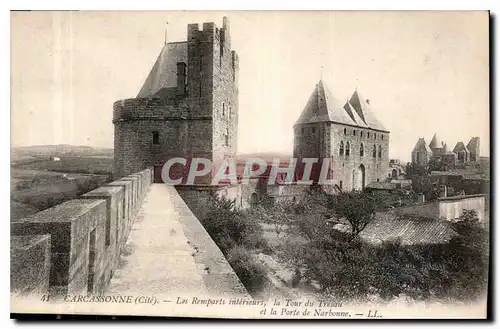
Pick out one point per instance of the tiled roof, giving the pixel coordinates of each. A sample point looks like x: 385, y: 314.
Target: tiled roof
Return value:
x: 164, y: 71
x: 322, y: 106
x: 408, y: 229
x: 365, y: 112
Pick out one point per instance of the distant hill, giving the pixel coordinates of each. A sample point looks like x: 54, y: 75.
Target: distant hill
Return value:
x: 59, y: 150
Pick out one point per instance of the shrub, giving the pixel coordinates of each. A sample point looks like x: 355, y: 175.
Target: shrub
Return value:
x: 229, y: 227
x: 347, y: 268
x: 252, y: 274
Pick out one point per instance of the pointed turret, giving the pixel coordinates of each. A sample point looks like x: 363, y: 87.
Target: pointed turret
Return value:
x: 435, y: 143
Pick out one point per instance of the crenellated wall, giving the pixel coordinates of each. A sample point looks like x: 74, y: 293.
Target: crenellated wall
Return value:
x: 74, y: 247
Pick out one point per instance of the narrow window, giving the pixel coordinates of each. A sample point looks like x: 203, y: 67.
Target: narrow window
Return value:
x: 375, y: 136
x: 313, y: 130
x: 227, y: 137
x: 362, y: 150
x: 223, y: 109
x: 347, y: 149
x: 156, y: 137
x: 341, y: 151
x: 354, y: 132
x: 341, y: 185
x: 361, y: 134
x: 302, y: 130
x: 379, y: 151
x: 368, y: 136
x: 374, y: 151
x: 382, y: 136
x: 345, y: 131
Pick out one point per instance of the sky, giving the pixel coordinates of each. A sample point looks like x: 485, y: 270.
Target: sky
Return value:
x: 424, y: 72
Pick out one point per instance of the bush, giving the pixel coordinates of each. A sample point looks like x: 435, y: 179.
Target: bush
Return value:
x: 348, y: 268
x: 252, y: 274
x: 229, y: 227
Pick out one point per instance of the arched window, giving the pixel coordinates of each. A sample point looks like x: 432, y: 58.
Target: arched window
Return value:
x: 347, y: 149
x: 362, y: 150
x: 345, y: 131
x: 379, y: 151
x: 341, y: 151
x: 374, y: 154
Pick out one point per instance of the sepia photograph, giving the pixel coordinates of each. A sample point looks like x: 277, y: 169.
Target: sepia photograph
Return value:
x: 250, y: 164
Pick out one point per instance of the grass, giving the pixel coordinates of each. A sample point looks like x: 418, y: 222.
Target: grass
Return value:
x: 72, y: 164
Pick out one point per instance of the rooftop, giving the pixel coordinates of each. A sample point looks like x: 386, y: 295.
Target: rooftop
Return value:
x: 322, y: 106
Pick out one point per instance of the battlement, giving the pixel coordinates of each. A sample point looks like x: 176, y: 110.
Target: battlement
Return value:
x: 74, y: 247
x: 210, y: 32
x: 150, y: 109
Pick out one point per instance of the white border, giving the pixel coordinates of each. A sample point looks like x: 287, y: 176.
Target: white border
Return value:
x: 201, y: 5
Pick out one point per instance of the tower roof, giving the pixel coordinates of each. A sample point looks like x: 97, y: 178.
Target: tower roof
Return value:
x: 323, y: 107
x: 422, y: 144
x: 446, y: 150
x: 460, y: 146
x: 164, y: 71
x: 365, y: 112
x: 435, y: 142
x: 473, y: 143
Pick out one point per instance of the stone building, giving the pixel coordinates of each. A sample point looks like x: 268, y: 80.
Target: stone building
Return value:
x: 348, y: 133
x: 439, y: 151
x: 422, y: 153
x: 187, y: 107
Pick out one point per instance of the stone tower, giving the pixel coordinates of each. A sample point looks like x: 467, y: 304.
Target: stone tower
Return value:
x: 473, y: 147
x: 187, y: 107
x: 347, y: 133
x: 421, y: 153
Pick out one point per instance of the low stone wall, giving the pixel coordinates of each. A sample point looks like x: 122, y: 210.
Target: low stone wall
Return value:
x: 220, y: 279
x: 74, y: 247
x: 452, y: 207
x: 449, y: 208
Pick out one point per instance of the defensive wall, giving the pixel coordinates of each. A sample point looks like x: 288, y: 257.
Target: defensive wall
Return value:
x: 76, y: 246
x: 448, y: 208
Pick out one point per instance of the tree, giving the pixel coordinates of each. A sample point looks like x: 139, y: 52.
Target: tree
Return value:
x: 358, y: 208
x: 279, y: 215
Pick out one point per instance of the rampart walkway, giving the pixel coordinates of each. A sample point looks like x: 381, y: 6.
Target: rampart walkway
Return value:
x: 168, y: 253
x: 158, y: 257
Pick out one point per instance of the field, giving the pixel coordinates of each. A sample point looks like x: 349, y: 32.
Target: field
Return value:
x: 39, y: 182
x: 72, y: 164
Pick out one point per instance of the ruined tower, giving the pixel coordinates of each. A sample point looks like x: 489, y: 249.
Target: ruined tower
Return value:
x: 187, y: 107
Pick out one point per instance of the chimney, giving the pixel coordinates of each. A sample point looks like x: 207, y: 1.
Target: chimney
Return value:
x: 181, y: 78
